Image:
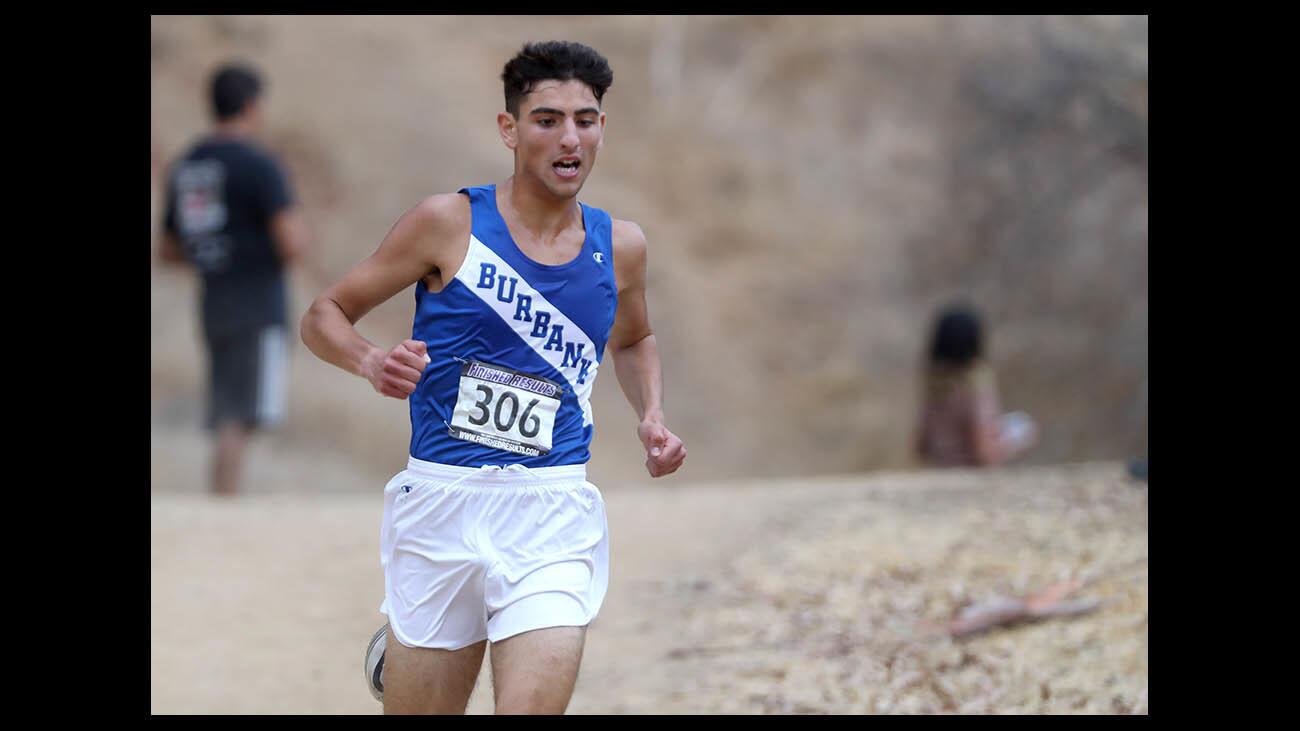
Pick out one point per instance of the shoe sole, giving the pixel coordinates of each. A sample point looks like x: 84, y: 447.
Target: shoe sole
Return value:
x: 375, y: 678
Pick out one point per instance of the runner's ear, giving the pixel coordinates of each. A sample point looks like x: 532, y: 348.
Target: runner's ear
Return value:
x: 506, y: 125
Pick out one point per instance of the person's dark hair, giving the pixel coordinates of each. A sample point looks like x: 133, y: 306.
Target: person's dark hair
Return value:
x: 233, y: 87
x: 958, y: 338
x: 558, y: 60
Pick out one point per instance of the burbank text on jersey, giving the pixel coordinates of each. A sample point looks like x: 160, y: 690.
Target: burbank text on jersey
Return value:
x: 555, y: 341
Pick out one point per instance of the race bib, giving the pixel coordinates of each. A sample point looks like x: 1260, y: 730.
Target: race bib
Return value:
x: 506, y: 409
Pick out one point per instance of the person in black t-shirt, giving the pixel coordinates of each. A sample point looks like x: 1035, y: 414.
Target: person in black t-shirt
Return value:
x: 230, y: 214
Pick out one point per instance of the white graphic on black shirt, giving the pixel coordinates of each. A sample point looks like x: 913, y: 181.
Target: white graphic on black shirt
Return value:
x: 201, y: 213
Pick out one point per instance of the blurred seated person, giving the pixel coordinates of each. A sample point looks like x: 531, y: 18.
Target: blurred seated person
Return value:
x: 961, y: 422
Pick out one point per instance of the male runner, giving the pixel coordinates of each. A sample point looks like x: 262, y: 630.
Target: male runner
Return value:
x: 492, y: 533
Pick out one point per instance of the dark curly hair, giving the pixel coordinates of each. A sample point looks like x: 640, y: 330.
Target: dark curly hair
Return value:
x: 558, y: 60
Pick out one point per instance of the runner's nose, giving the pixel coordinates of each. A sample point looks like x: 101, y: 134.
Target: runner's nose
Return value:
x: 569, y: 140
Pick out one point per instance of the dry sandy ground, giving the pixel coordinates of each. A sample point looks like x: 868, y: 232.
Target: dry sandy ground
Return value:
x: 799, y: 596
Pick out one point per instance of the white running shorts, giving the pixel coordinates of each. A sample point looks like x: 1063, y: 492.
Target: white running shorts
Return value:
x: 486, y: 553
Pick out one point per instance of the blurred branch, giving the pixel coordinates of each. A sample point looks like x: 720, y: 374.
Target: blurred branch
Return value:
x: 1004, y: 611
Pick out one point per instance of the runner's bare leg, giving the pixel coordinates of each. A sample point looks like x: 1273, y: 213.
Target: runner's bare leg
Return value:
x: 425, y: 680
x: 535, y: 672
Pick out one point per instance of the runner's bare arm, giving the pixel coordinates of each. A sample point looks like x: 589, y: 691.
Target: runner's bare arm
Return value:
x: 636, y: 355
x: 425, y: 238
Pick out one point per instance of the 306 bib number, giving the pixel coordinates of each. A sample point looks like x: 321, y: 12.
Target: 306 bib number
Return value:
x: 506, y: 409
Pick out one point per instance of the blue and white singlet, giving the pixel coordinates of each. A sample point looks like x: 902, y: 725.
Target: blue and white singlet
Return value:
x: 515, y: 346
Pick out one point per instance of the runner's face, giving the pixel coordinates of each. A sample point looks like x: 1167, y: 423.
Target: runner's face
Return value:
x: 555, y: 138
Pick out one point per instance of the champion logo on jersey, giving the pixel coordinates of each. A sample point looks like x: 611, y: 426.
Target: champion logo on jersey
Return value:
x: 599, y: 257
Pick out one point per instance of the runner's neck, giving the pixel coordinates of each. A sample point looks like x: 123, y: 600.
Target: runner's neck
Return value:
x: 544, y: 217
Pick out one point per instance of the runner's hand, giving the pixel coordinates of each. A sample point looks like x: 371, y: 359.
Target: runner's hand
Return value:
x: 664, y: 451
x: 399, y: 372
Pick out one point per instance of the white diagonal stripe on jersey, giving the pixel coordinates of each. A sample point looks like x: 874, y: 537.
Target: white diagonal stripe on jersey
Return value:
x: 478, y: 254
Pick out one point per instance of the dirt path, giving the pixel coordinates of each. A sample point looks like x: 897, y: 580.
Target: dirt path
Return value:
x: 793, y: 596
